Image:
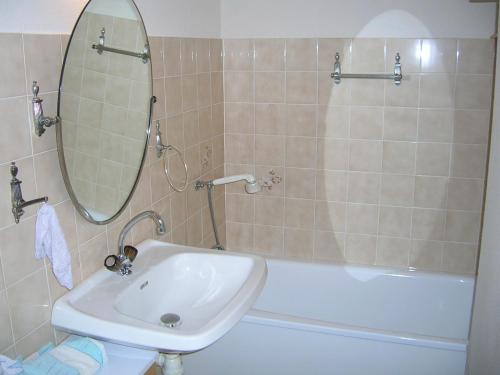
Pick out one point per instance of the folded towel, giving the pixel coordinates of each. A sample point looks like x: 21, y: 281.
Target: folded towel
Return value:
x: 50, y: 242
x: 75, y: 356
x: 10, y: 366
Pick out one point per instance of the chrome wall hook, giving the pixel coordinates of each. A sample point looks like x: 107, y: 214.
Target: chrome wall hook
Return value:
x: 18, y: 203
x: 40, y: 121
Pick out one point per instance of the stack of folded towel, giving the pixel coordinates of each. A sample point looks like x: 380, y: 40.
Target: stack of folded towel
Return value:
x: 75, y: 356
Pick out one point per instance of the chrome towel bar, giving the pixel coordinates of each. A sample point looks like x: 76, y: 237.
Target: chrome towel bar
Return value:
x: 397, y: 76
x: 100, y: 47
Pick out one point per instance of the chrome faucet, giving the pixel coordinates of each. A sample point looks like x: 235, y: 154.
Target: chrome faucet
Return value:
x: 122, y: 263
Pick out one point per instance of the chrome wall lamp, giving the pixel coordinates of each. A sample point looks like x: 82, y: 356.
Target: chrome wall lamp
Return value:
x: 40, y: 121
x: 18, y: 203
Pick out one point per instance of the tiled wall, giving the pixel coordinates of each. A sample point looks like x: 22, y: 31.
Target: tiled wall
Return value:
x: 364, y: 171
x: 191, y: 113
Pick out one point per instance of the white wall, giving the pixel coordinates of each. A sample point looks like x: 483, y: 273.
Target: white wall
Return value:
x: 362, y: 18
x: 484, y: 352
x: 191, y: 18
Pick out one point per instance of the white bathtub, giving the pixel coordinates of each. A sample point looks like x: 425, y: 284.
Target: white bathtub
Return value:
x: 315, y: 319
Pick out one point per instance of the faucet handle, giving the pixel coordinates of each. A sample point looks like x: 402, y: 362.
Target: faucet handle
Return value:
x: 130, y: 252
x: 112, y: 263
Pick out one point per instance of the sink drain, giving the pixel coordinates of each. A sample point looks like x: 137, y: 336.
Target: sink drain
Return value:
x: 170, y: 320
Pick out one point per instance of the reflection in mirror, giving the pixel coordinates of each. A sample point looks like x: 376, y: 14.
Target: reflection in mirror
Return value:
x: 104, y: 103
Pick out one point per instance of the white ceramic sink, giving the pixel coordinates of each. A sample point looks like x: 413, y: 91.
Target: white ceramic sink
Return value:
x: 209, y: 290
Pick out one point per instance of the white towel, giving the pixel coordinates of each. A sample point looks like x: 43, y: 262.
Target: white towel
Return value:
x: 50, y: 242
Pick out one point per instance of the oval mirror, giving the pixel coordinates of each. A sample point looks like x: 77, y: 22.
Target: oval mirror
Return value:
x: 105, y: 103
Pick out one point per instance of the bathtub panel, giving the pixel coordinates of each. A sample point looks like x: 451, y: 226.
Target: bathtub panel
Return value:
x: 251, y: 349
x: 407, y: 302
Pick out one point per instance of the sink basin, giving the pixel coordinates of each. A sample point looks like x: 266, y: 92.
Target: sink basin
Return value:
x: 208, y: 290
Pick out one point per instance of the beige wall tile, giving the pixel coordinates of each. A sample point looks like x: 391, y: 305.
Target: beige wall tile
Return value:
x: 428, y: 224
x: 362, y: 218
x: 332, y: 94
x: 459, y: 257
x: 239, y: 236
x: 465, y: 194
x: 269, y: 54
x: 239, y: 118
x: 437, y: 91
x: 366, y: 123
x: 269, y: 87
x: 202, y: 55
x: 301, y: 120
x: 329, y: 246
x: 6, y: 338
x: 395, y: 221
x: 299, y: 213
x: 333, y: 121
x: 299, y: 183
x: 361, y: 249
x: 404, y: 95
x: 471, y: 126
x: 238, y: 86
x: 330, y: 216
x: 430, y: 192
x: 301, y: 54
x: 15, y: 123
x: 439, y: 55
x: 426, y: 254
x: 301, y: 87
x: 172, y: 56
x: 462, y: 226
x: 43, y: 61
x: 368, y: 55
x: 332, y: 154
x: 269, y: 210
x: 393, y: 252
x: 475, y: 56
x: 270, y: 119
x: 365, y: 156
x: 240, y: 208
x: 468, y: 161
x: 238, y: 54
x: 331, y: 185
x: 363, y: 187
x: 12, y: 74
x: 397, y: 190
x: 29, y: 303
x: 298, y: 243
x: 364, y: 92
x: 35, y: 340
x: 240, y: 148
x: 435, y: 125
x: 270, y: 150
x: 300, y: 152
x: 473, y: 92
x: 433, y: 159
x: 400, y: 124
x: 269, y: 240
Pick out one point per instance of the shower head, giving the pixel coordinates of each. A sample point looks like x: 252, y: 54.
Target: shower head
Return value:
x: 251, y: 186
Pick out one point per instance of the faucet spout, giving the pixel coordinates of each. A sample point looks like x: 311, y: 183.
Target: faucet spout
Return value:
x: 122, y: 257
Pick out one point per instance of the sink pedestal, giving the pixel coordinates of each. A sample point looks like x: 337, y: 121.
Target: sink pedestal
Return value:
x: 171, y: 364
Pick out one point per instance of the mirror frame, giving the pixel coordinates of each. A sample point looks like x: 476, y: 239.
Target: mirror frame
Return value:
x: 59, y: 138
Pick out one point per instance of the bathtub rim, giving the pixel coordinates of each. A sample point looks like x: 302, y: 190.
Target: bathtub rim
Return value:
x: 268, y: 318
